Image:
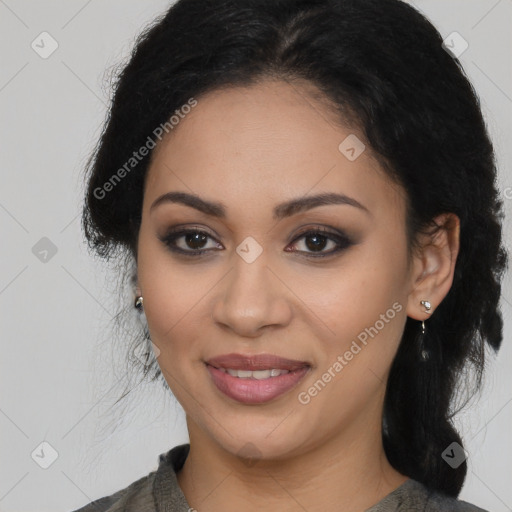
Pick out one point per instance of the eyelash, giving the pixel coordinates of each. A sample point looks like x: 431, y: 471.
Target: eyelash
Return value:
x: 343, y: 242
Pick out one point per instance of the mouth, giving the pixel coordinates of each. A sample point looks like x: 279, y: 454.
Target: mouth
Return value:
x: 254, y: 363
x: 256, y: 374
x: 255, y: 379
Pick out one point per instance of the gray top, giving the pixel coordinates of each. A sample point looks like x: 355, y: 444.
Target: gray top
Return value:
x: 159, y: 492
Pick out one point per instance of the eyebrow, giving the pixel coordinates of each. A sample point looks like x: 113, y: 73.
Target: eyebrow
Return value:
x: 286, y: 209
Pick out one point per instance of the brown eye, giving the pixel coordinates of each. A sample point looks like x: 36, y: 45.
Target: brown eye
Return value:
x: 318, y: 239
x: 316, y: 242
x: 188, y: 241
x: 195, y: 240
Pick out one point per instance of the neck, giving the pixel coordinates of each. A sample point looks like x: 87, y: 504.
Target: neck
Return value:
x: 347, y: 472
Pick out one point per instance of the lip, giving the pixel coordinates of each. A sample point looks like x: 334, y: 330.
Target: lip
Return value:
x: 255, y: 391
x: 255, y: 362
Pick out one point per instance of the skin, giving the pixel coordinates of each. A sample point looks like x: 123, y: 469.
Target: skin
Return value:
x: 251, y: 149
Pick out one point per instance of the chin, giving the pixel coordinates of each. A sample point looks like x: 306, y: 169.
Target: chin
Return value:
x: 254, y: 445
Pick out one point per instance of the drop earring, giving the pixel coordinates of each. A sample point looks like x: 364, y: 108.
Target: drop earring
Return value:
x: 423, y: 351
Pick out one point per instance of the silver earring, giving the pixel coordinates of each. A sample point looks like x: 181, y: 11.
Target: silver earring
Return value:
x: 427, y: 306
x: 139, y: 302
x: 424, y: 353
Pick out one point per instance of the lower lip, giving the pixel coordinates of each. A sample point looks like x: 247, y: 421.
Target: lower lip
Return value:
x: 255, y: 391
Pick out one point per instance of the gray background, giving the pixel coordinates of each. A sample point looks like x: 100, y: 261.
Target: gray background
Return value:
x: 59, y: 373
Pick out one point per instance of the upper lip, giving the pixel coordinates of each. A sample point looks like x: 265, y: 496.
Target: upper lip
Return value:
x: 255, y: 362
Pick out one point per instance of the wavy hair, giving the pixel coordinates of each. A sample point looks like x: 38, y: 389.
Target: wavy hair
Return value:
x: 382, y: 66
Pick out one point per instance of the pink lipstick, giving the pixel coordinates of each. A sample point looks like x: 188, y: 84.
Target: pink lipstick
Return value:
x: 255, y: 379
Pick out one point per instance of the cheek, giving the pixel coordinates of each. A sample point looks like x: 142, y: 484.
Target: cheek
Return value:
x: 173, y: 311
x: 364, y: 306
x: 172, y: 295
x: 175, y: 316
x: 354, y: 296
x: 366, y: 312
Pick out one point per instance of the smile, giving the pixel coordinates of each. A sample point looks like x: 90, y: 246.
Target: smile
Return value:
x: 255, y: 387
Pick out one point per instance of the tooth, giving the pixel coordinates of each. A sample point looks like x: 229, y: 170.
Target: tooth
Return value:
x: 257, y: 374
x: 262, y: 374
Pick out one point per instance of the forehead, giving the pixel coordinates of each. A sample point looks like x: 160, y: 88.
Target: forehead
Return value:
x: 273, y: 140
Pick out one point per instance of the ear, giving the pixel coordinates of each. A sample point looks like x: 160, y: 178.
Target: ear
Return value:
x: 433, y: 266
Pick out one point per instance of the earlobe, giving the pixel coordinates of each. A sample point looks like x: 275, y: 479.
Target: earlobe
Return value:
x: 434, y: 266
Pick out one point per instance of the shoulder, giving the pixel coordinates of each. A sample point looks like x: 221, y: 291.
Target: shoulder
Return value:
x: 143, y: 495
x: 442, y: 503
x: 413, y: 496
x: 138, y: 494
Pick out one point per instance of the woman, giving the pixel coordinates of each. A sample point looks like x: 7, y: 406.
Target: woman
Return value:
x: 307, y: 191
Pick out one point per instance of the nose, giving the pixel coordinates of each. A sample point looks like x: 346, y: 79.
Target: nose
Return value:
x: 251, y: 299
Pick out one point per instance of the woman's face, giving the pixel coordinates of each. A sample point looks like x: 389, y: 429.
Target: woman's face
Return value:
x: 334, y: 300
